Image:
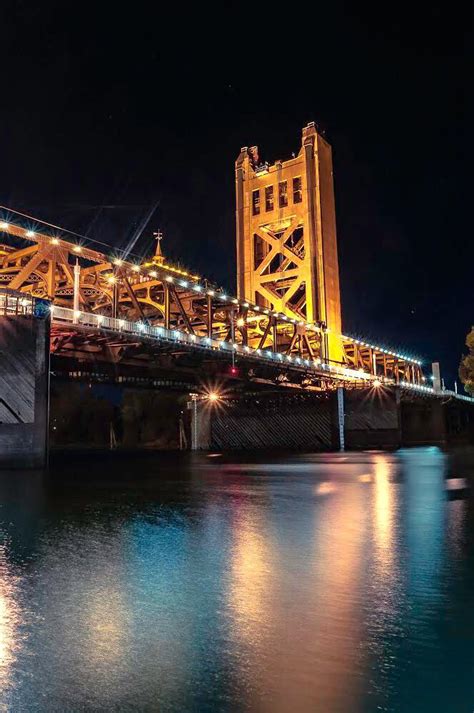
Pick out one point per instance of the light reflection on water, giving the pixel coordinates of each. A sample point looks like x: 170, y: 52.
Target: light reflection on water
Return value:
x: 321, y: 583
x: 10, y: 618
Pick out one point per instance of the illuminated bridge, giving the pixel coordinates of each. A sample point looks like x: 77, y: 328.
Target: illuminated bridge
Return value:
x: 108, y: 309
x: 108, y: 317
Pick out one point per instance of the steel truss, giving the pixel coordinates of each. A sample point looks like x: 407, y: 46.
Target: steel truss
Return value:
x: 42, y: 265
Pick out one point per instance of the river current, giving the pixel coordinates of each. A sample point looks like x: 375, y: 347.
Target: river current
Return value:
x: 328, y: 583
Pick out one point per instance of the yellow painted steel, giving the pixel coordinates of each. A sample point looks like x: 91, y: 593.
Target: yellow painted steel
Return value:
x: 286, y: 236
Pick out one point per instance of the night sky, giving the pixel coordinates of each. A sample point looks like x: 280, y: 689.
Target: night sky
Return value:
x: 107, y: 111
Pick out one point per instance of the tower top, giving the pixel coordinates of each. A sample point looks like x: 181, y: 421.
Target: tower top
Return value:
x: 286, y: 234
x: 309, y: 135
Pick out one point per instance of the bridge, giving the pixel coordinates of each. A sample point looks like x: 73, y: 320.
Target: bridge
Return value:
x: 166, y: 307
x: 110, y: 316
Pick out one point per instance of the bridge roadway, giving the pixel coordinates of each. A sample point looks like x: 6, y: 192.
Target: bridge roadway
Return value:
x: 85, y: 338
x: 96, y: 338
x: 36, y: 336
x: 119, y: 334
x: 89, y: 337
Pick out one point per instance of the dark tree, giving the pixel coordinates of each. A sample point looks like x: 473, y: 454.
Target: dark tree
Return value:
x: 466, y: 368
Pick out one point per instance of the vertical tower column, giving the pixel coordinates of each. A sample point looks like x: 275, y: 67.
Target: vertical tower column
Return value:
x: 286, y: 235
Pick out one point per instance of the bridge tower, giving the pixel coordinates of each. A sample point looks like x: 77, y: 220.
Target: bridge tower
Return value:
x: 286, y: 236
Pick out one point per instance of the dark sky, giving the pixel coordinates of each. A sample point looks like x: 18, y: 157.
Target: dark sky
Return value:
x: 125, y: 106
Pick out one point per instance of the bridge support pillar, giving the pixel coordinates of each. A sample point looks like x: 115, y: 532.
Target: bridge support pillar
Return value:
x: 340, y: 417
x: 423, y: 422
x: 200, y: 425
x: 372, y: 418
x: 24, y: 391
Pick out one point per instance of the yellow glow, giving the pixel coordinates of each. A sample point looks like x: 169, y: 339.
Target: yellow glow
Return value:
x: 333, y: 632
x: 172, y: 268
x: 104, y: 617
x: 325, y: 488
x: 240, y: 322
x: 77, y: 248
x: 213, y: 396
x: 117, y: 262
x: 383, y: 506
x: 111, y: 279
x: 10, y: 619
x: 377, y: 383
x: 250, y: 568
x: 54, y: 241
x: 30, y: 234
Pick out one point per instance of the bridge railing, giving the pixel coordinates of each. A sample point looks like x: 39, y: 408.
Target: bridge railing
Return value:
x: 175, y: 336
x: 15, y: 303
x: 158, y: 333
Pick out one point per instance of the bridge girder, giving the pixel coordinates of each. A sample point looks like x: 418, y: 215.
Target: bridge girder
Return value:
x: 163, y: 295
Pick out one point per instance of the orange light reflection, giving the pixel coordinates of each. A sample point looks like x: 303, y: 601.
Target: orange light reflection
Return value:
x: 10, y: 618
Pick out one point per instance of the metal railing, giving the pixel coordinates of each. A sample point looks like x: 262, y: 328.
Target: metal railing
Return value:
x: 14, y: 304
x: 17, y: 304
x: 161, y: 334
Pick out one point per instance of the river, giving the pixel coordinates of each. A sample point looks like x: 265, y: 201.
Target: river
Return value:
x: 328, y: 583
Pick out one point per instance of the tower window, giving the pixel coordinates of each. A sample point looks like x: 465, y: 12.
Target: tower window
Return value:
x: 283, y: 194
x: 255, y: 202
x: 297, y: 190
x: 268, y: 198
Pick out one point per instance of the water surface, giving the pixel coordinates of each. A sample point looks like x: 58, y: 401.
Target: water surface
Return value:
x: 321, y: 584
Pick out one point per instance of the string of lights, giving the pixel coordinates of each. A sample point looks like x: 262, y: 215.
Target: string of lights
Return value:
x: 98, y: 321
x: 152, y: 273
x: 316, y: 366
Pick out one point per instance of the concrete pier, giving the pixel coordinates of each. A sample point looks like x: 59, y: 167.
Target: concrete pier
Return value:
x: 24, y: 384
x: 373, y: 418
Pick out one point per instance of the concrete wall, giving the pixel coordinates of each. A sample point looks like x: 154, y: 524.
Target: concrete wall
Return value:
x: 437, y: 421
x: 24, y: 391
x: 423, y: 422
x: 267, y: 420
x: 373, y: 418
x: 301, y: 422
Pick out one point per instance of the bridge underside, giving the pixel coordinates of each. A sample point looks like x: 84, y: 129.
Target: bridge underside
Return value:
x: 262, y: 405
x: 78, y: 352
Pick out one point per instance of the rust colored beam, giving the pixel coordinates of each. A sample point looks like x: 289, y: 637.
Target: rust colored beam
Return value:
x: 265, y: 334
x: 131, y: 294
x: 182, y: 310
x: 167, y: 304
x: 209, y: 316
